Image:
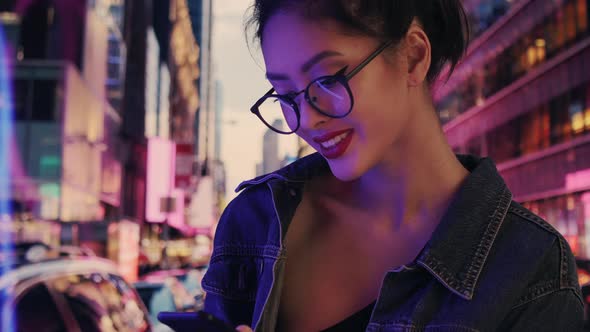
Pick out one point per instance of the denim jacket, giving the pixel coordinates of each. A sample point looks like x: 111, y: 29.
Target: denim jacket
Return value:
x: 490, y: 265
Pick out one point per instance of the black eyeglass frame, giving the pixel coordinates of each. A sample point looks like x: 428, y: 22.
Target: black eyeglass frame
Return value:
x: 290, y: 98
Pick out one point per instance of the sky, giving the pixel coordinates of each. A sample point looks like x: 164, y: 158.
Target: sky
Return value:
x: 241, y: 73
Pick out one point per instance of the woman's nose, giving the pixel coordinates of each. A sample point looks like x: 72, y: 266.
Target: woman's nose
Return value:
x: 310, y: 118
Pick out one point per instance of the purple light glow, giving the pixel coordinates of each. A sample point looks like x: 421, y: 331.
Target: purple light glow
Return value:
x: 579, y: 180
x: 7, y: 322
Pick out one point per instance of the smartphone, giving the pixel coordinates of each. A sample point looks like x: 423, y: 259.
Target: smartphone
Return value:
x: 194, y: 322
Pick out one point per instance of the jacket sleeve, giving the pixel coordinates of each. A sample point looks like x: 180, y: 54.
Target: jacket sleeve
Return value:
x: 561, y: 310
x: 230, y: 282
x: 231, y: 311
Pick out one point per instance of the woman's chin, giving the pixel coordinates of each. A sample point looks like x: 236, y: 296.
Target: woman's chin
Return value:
x: 344, y: 171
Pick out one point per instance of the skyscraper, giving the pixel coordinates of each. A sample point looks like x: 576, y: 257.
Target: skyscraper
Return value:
x: 270, y: 149
x: 67, y: 65
x: 200, y: 12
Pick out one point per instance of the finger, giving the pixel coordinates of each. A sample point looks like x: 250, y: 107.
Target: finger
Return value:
x: 243, y: 328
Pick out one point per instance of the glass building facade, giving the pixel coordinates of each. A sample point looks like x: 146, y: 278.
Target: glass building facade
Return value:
x: 522, y: 97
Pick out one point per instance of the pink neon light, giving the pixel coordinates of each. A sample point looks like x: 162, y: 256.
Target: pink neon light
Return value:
x: 160, y: 176
x: 578, y: 180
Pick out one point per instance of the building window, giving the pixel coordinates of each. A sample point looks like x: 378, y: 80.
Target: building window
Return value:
x: 567, y: 25
x: 20, y: 92
x: 44, y: 101
x: 560, y: 120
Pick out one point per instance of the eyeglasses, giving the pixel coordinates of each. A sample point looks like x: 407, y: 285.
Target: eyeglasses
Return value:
x: 329, y: 95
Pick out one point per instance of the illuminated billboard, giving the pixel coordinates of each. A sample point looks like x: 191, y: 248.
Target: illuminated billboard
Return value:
x: 160, y: 176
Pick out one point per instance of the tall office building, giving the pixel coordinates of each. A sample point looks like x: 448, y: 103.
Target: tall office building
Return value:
x: 67, y: 69
x: 117, y: 55
x: 303, y: 148
x: 522, y: 97
x: 270, y: 149
x: 218, y: 166
x: 201, y: 16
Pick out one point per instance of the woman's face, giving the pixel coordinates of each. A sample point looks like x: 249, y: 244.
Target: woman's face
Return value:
x: 362, y: 140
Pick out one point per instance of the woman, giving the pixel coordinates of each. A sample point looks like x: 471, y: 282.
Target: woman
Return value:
x: 385, y: 228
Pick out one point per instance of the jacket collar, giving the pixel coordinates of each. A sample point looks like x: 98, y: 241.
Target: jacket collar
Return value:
x: 300, y: 170
x: 457, y: 251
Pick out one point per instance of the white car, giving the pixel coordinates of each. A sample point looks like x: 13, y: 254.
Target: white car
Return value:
x: 55, y: 291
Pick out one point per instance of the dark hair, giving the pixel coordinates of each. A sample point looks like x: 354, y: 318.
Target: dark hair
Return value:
x: 444, y: 21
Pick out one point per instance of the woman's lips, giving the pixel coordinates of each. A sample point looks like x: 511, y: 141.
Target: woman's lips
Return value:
x: 333, y: 145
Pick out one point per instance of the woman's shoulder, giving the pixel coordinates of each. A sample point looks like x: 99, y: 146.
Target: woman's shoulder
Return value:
x: 255, y: 202
x: 526, y: 223
x: 540, y: 248
x: 301, y: 170
x: 250, y: 210
x: 253, y: 218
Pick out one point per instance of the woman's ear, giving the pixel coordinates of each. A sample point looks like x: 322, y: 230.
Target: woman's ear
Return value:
x: 418, y: 53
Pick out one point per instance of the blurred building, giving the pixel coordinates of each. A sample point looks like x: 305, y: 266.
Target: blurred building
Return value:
x: 288, y: 159
x: 201, y: 15
x: 218, y: 119
x: 68, y: 66
x: 522, y: 96
x: 270, y: 149
x: 105, y: 99
x: 210, y: 186
x: 303, y: 149
x: 218, y: 167
x: 163, y: 173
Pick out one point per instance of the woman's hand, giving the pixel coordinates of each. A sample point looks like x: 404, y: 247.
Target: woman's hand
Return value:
x: 243, y: 328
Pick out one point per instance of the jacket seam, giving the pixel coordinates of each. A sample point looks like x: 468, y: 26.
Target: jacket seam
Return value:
x: 563, y: 280
x: 265, y: 180
x: 450, y: 325
x: 441, y: 273
x: 563, y: 269
x: 537, y: 291
x: 274, y: 265
x: 219, y: 258
x: 488, y: 239
x: 413, y: 327
x: 275, y: 253
x: 249, y: 297
x: 532, y: 218
x: 308, y: 164
x: 465, y: 288
x: 547, y: 293
x: 255, y: 182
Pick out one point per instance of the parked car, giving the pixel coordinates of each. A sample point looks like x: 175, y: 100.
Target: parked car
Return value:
x: 48, y: 289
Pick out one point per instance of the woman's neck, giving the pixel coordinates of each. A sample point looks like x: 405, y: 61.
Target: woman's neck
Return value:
x: 419, y: 176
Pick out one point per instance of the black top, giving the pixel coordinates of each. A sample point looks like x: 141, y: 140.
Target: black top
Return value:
x: 355, y: 323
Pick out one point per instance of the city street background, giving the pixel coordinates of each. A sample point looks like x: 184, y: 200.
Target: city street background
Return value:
x: 125, y: 127
x: 241, y: 72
